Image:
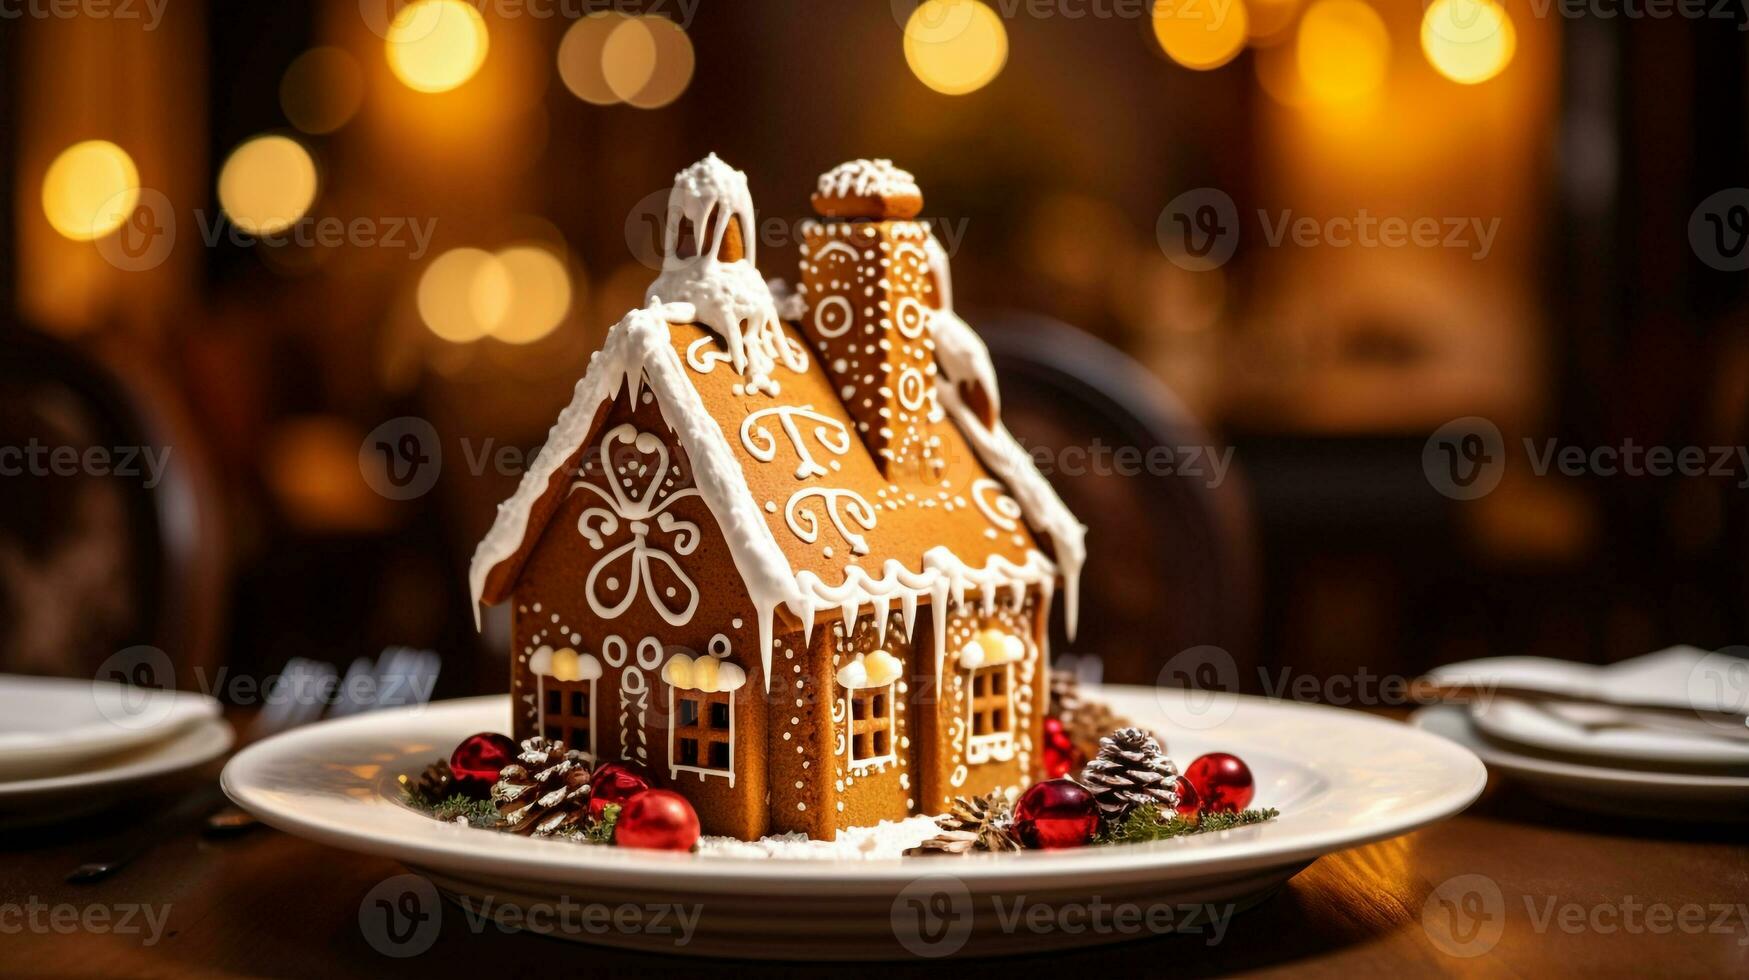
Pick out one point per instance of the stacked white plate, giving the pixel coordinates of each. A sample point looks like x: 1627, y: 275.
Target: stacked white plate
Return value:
x: 72, y: 747
x: 1605, y: 757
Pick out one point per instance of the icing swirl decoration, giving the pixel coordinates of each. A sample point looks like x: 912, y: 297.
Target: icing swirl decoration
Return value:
x: 833, y: 316
x: 995, y: 504
x: 910, y: 317
x: 911, y: 389
x: 838, y: 503
x: 830, y: 433
x: 634, y: 561
x: 703, y: 357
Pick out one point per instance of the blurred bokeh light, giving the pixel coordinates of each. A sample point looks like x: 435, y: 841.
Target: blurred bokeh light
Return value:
x: 436, y: 45
x: 462, y: 293
x: 90, y: 189
x: 267, y: 183
x: 322, y: 90
x: 1200, y: 36
x: 538, y: 295
x: 955, y: 46
x: 1468, y: 41
x: 1343, y: 51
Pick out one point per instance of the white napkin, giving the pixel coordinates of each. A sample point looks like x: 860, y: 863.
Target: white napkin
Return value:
x: 1681, y: 676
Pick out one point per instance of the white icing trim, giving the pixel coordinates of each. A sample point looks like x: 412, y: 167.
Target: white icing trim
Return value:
x: 731, y: 297
x: 706, y: 673
x: 944, y: 580
x: 878, y: 668
x: 990, y: 647
x: 587, y: 667
x: 867, y: 178
x: 639, y: 351
x: 964, y: 357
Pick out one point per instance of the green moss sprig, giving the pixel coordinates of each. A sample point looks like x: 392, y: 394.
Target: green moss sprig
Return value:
x: 1146, y: 823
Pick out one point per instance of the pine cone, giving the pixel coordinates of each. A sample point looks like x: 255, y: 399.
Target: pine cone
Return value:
x: 985, y: 817
x: 1129, y: 772
x: 953, y: 842
x: 434, y: 784
x: 545, y: 791
x: 1085, y: 720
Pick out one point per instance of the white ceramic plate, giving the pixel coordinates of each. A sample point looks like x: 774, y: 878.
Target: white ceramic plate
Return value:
x: 50, y: 799
x: 52, y: 724
x: 1561, y: 728
x: 1578, y: 782
x: 1340, y: 778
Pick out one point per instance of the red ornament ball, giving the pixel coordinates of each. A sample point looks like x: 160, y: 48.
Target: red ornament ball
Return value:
x: 477, y: 761
x: 614, y: 783
x: 1054, y: 814
x: 658, y: 819
x: 1189, y: 801
x: 1222, y: 781
x: 1060, y: 755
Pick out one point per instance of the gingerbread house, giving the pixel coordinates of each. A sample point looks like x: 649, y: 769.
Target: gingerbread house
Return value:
x: 779, y: 551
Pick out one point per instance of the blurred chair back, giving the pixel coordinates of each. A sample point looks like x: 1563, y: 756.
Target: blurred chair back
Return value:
x: 1170, y: 563
x: 107, y: 535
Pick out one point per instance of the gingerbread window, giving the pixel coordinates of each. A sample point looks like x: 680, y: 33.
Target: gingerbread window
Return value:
x: 569, y: 714
x: 871, y: 724
x: 870, y: 685
x: 992, y: 709
x: 989, y: 659
x: 701, y: 715
x: 701, y: 729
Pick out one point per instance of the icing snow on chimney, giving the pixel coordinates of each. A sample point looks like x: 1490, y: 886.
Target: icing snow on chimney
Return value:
x: 707, y: 260
x: 870, y: 293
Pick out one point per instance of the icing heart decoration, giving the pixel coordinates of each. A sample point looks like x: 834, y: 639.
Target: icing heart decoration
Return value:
x: 637, y: 497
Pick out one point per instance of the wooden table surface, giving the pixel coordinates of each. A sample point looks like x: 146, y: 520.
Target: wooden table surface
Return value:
x: 1577, y: 895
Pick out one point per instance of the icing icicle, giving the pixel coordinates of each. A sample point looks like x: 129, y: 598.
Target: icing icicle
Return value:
x: 731, y: 297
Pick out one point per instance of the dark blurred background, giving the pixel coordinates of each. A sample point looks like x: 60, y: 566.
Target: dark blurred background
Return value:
x: 457, y: 202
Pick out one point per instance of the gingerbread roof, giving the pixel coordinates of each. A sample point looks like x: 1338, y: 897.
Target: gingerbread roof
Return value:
x: 813, y: 518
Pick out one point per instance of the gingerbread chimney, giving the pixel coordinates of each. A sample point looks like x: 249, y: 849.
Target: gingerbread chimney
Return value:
x: 870, y: 292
